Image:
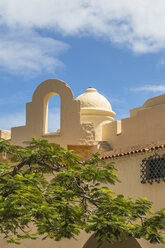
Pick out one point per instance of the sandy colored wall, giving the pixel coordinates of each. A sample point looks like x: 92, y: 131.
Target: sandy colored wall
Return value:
x: 39, y: 243
x: 129, y: 173
x: 83, y: 241
x: 146, y: 127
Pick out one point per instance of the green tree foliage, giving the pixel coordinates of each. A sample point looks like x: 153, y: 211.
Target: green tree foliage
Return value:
x: 47, y: 187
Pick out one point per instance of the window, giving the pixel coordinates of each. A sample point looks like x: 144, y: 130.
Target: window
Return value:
x: 153, y: 169
x: 54, y: 114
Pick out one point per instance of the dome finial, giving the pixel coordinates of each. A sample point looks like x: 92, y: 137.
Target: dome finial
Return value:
x: 91, y: 89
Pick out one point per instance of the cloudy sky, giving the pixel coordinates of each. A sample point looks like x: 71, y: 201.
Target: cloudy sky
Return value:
x: 116, y: 46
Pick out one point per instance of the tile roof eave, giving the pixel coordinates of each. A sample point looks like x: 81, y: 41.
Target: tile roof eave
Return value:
x: 115, y: 154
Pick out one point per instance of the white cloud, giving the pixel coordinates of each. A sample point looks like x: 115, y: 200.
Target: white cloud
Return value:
x: 27, y: 52
x: 151, y: 88
x: 139, y: 24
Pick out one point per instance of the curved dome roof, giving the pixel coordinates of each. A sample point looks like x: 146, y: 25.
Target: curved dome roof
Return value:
x: 92, y: 99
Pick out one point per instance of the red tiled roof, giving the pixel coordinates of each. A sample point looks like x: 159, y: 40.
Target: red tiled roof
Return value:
x: 147, y: 148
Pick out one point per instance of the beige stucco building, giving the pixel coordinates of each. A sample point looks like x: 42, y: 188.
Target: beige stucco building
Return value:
x: 136, y: 144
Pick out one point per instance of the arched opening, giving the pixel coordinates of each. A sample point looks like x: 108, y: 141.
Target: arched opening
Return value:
x: 130, y: 242
x: 54, y: 114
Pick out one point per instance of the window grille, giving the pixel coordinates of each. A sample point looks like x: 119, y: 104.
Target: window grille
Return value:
x: 153, y: 169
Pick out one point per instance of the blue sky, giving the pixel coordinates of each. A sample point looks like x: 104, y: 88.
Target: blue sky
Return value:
x: 117, y: 47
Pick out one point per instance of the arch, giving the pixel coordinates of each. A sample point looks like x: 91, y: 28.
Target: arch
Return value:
x: 42, y: 95
x: 130, y: 242
x: 71, y: 129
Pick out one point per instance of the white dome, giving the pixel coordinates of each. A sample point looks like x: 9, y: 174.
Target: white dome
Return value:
x: 92, y: 99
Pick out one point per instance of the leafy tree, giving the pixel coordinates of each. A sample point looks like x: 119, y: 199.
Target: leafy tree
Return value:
x: 48, y: 187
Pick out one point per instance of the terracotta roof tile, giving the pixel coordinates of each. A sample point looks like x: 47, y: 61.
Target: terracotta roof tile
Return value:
x: 130, y: 151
